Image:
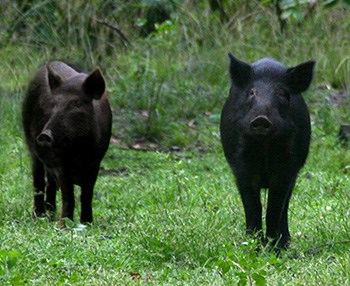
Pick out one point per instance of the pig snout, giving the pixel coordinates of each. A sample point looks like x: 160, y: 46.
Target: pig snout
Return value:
x: 261, y: 125
x: 45, y: 138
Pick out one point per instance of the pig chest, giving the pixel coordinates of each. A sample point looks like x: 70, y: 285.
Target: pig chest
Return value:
x: 263, y: 161
x: 78, y: 163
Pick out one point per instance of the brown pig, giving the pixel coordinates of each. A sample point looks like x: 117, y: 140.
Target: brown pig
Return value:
x: 67, y: 125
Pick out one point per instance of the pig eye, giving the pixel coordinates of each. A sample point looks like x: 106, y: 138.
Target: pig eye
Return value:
x: 76, y: 104
x: 283, y: 94
x: 252, y: 92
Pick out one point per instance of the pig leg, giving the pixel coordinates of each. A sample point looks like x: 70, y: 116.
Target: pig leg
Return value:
x: 277, y: 213
x: 86, y: 200
x: 285, y: 235
x: 67, y: 190
x: 39, y: 187
x: 252, y: 207
x: 51, y: 190
x: 86, y: 204
x: 253, y: 211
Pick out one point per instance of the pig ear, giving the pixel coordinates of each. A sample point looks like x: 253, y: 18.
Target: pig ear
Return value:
x: 299, y: 78
x: 53, y: 78
x: 240, y: 72
x: 94, y: 85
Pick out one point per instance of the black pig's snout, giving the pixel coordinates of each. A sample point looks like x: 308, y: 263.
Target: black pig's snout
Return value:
x: 45, y: 138
x: 261, y: 125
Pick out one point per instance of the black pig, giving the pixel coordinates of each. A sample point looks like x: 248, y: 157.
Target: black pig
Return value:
x: 67, y: 124
x: 265, y: 133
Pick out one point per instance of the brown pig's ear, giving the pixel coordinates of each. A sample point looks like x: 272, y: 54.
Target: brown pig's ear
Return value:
x: 94, y: 85
x: 53, y: 78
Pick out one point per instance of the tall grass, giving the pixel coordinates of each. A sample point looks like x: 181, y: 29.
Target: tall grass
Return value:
x: 172, y: 218
x: 160, y: 83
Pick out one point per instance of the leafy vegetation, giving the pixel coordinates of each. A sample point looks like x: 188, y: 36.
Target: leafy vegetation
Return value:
x: 173, y: 216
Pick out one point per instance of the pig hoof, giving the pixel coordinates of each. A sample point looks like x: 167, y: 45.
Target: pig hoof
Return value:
x: 38, y: 214
x: 86, y: 221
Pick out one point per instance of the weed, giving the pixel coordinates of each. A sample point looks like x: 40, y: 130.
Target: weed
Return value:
x: 165, y: 217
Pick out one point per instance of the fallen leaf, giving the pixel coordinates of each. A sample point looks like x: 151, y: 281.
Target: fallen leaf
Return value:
x: 144, y: 113
x: 137, y: 146
x: 135, y: 275
x: 192, y: 124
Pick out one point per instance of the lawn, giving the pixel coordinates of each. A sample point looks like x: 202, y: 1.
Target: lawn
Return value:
x: 166, y: 208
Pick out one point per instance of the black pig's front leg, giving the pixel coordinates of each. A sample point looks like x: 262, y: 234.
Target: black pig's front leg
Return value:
x: 277, y: 211
x: 252, y: 205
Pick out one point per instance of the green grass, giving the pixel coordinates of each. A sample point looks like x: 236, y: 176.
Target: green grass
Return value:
x: 175, y: 218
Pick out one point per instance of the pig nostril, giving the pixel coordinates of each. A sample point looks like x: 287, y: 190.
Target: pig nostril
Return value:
x: 261, y: 122
x: 45, y: 138
x: 265, y: 124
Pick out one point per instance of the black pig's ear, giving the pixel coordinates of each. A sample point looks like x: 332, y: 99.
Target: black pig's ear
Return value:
x: 94, y: 85
x: 299, y: 78
x: 240, y: 72
x: 53, y: 78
